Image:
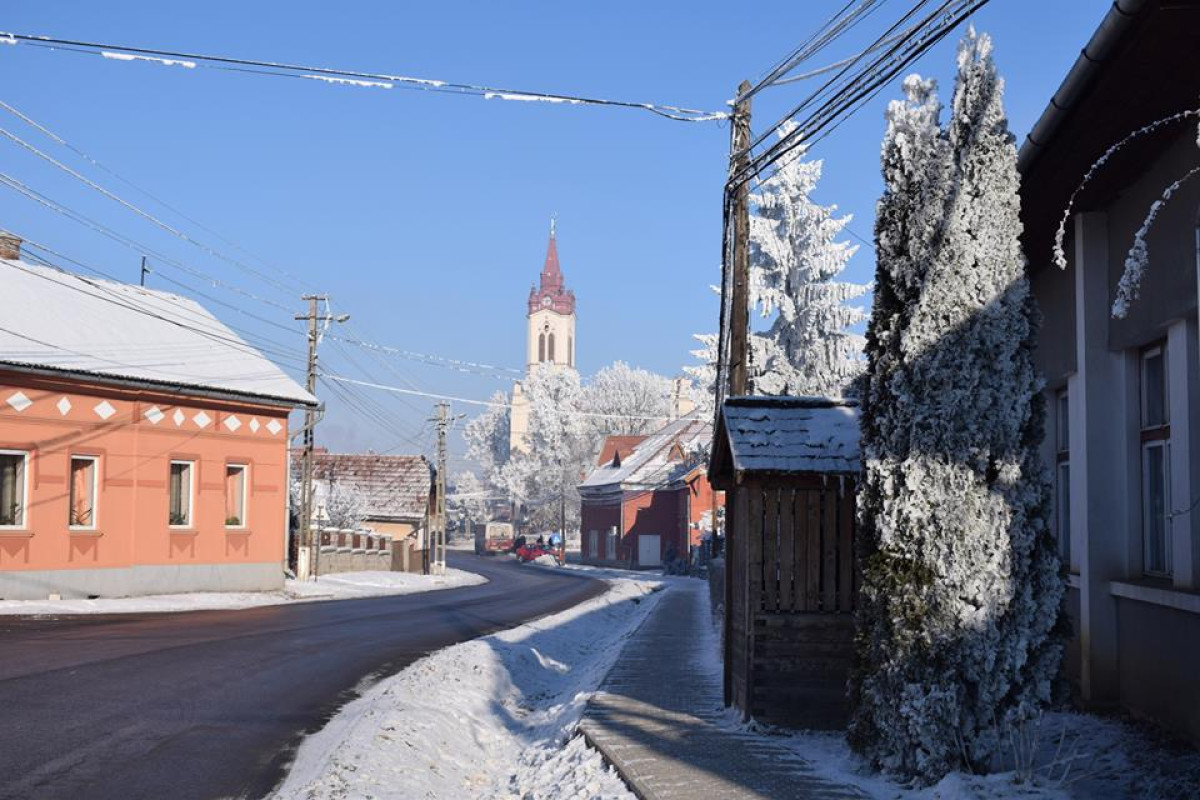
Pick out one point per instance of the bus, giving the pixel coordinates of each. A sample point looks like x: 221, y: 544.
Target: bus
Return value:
x: 493, y: 537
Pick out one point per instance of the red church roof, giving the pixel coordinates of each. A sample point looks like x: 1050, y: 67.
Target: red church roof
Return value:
x: 552, y: 293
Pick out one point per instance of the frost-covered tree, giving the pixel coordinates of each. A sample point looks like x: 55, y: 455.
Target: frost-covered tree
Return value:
x: 546, y: 475
x: 704, y: 374
x: 795, y: 260
x: 621, y: 399
x: 958, y: 638
x: 468, y: 501
x: 487, y: 438
x: 338, y: 505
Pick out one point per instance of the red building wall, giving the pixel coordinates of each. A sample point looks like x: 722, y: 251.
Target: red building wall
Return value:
x: 597, y: 517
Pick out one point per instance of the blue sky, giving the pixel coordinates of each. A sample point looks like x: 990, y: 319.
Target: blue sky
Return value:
x: 425, y: 215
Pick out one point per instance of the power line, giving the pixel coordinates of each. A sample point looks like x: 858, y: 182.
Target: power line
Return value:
x: 345, y: 77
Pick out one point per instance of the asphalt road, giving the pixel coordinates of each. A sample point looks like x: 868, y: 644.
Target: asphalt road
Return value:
x: 209, y: 704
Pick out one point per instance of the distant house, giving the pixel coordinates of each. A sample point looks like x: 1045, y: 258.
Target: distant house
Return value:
x: 1123, y: 429
x: 393, y: 496
x: 143, y: 444
x: 789, y: 466
x: 647, y: 496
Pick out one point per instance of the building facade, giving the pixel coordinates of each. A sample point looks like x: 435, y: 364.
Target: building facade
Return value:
x: 143, y: 445
x: 648, y: 501
x: 1123, y: 393
x: 549, y: 336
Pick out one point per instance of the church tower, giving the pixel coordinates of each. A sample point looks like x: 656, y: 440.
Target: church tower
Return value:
x: 550, y: 335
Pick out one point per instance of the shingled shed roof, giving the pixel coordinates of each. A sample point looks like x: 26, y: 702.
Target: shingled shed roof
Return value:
x: 784, y: 435
x: 394, y: 488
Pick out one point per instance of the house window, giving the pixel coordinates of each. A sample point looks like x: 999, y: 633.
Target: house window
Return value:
x: 1062, y: 475
x: 14, y: 488
x: 1156, y: 463
x: 180, y: 509
x: 82, y: 512
x: 235, y: 496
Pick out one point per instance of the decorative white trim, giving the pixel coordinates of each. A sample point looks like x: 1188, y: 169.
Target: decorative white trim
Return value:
x: 274, y: 427
x: 232, y: 423
x: 154, y: 414
x: 254, y: 426
x: 202, y: 419
x: 1157, y: 595
x: 104, y: 409
x: 63, y: 405
x: 19, y: 401
x: 179, y: 417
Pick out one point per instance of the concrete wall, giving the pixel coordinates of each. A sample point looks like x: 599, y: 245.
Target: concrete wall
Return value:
x: 1137, y: 635
x: 134, y: 435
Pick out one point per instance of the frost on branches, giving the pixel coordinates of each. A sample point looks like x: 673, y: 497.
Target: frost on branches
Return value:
x: 487, y: 438
x: 794, y: 262
x: 959, y: 636
x: 704, y: 374
x: 621, y: 399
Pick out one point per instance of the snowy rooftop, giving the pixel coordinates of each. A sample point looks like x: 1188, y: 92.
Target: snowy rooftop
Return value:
x: 788, y: 435
x: 393, y: 488
x: 56, y: 320
x: 660, y: 459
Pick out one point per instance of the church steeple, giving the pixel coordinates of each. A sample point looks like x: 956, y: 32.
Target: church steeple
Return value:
x: 552, y: 293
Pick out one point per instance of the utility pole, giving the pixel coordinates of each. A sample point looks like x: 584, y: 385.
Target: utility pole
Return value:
x: 436, y: 560
x: 739, y: 313
x: 309, y: 550
x: 145, y: 271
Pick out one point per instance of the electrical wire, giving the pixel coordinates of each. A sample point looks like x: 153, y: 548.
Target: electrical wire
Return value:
x: 346, y: 77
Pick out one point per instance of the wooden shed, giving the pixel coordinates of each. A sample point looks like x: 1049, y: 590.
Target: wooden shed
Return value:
x: 789, y: 466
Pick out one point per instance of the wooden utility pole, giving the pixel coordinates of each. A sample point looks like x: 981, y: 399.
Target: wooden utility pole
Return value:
x: 309, y: 550
x: 739, y: 312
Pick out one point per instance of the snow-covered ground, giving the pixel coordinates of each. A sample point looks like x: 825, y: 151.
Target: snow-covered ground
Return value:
x: 343, y: 586
x: 490, y: 718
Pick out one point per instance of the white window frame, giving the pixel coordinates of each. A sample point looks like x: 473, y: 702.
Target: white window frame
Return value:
x: 191, y: 506
x: 1150, y: 352
x: 95, y: 491
x: 245, y: 468
x: 24, y: 524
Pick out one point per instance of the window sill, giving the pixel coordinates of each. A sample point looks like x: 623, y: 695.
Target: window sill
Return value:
x: 84, y: 532
x: 237, y: 531
x: 1157, y: 593
x: 1073, y: 580
x: 15, y: 533
x: 183, y: 532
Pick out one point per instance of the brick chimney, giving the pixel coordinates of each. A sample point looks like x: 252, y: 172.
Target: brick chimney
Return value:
x: 10, y: 247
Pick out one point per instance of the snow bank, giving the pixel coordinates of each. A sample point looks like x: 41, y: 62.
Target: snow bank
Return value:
x: 546, y: 560
x: 343, y: 586
x: 491, y: 718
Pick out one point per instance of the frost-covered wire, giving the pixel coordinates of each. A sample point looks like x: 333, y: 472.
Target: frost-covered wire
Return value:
x: 1059, y: 253
x: 345, y: 77
x: 1138, y: 257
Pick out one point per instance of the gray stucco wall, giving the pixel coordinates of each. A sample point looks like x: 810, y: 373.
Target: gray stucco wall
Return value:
x: 1168, y: 290
x: 1160, y: 664
x: 141, y: 580
x: 1054, y: 290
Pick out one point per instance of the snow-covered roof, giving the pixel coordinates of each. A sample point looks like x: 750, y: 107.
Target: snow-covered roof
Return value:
x: 393, y: 488
x: 788, y: 435
x: 661, y: 459
x: 59, y: 321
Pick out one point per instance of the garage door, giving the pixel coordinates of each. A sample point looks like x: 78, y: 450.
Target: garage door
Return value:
x: 649, y: 550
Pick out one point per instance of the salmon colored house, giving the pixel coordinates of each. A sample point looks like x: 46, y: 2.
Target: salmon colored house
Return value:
x: 648, y: 499
x: 143, y: 444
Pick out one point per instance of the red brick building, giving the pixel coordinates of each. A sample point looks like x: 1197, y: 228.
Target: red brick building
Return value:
x: 648, y: 500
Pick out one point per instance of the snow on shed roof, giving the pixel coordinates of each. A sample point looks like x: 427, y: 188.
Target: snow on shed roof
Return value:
x: 790, y: 434
x: 393, y: 488
x: 656, y: 462
x: 59, y: 321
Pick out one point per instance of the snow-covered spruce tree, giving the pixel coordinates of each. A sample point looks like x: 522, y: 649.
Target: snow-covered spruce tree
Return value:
x: 958, y: 638
x: 794, y: 262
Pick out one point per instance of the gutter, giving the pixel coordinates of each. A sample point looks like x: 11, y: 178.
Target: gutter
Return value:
x: 1119, y: 20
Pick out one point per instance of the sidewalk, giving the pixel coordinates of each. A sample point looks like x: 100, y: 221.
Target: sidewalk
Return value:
x: 659, y: 718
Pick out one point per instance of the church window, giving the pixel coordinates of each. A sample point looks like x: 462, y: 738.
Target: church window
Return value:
x: 541, y: 347
x: 550, y: 349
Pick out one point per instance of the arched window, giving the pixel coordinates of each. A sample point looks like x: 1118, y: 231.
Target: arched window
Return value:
x: 550, y: 349
x: 541, y: 347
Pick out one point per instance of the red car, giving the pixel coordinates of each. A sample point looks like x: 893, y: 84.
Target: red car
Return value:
x: 531, y: 551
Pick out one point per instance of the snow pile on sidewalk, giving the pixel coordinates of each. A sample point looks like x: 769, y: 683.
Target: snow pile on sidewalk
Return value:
x: 490, y: 718
x: 343, y: 586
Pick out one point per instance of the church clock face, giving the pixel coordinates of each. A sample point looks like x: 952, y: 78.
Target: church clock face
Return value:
x: 546, y: 301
